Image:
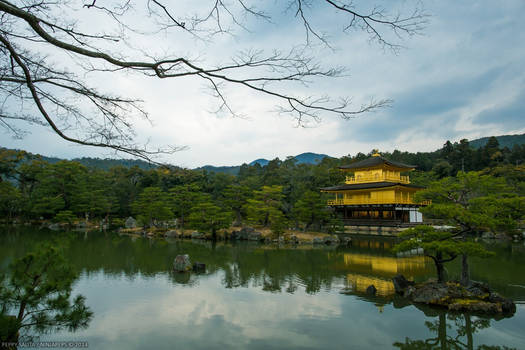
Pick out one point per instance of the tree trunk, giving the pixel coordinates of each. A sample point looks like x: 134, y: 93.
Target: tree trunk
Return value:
x: 465, y: 271
x: 11, y: 332
x: 238, y: 218
x: 440, y: 272
x: 442, y: 330
x: 468, y: 332
x: 440, y: 269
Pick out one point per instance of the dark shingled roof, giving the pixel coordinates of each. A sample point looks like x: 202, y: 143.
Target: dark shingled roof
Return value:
x: 374, y: 161
x: 368, y: 185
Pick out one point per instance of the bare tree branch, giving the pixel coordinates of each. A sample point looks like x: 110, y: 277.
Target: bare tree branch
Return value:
x: 61, y: 97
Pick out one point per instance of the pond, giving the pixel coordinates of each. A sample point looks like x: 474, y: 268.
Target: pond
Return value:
x: 269, y: 297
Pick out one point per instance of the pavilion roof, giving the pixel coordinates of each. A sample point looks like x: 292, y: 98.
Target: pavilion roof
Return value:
x: 364, y: 186
x: 375, y: 161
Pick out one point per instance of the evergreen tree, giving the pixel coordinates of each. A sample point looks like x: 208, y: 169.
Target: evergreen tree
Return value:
x: 265, y: 208
x: 151, y: 205
x: 207, y: 217
x: 472, y: 203
x: 235, y: 197
x: 182, y: 199
x: 440, y: 246
x: 310, y: 210
x: 36, y: 296
x: 10, y: 200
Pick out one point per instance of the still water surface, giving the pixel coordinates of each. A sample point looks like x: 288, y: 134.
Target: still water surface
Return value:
x: 269, y: 297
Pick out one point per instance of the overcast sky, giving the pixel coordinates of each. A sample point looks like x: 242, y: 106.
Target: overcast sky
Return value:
x: 463, y: 78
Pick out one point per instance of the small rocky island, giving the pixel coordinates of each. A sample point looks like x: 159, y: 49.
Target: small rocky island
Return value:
x: 477, y: 298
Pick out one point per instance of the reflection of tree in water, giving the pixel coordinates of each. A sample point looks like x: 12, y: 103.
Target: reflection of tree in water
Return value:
x: 464, y: 325
x: 282, y: 270
x: 184, y: 278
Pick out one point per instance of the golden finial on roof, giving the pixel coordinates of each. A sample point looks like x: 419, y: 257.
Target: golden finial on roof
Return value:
x: 376, y: 153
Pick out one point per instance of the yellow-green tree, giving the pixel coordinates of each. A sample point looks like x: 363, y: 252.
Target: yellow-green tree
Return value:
x: 265, y: 208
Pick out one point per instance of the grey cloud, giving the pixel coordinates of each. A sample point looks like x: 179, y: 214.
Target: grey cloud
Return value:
x: 511, y: 114
x: 436, y: 103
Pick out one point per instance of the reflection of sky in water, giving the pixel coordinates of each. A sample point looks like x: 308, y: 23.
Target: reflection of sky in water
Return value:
x: 156, y: 313
x: 260, y: 296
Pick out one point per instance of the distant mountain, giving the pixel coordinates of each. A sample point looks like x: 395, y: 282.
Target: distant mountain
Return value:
x: 260, y: 161
x: 504, y: 141
x: 310, y: 158
x: 103, y: 164
x: 232, y: 170
x: 303, y: 158
x: 108, y: 163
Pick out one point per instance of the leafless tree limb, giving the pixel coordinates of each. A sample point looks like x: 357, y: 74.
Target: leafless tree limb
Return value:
x: 62, y: 98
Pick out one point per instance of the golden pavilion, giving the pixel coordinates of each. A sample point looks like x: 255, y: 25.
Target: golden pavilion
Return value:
x: 375, y: 193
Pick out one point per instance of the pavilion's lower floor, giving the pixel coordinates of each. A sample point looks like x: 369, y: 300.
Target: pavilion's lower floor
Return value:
x: 379, y: 215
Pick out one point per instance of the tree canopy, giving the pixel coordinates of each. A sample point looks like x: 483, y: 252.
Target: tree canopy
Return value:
x: 470, y: 203
x: 35, y: 297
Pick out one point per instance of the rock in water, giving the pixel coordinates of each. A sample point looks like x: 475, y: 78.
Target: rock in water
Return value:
x: 235, y: 235
x: 347, y: 240
x: 182, y: 263
x: 130, y: 222
x: 255, y: 236
x: 245, y: 233
x: 197, y: 235
x: 317, y: 240
x: 171, y: 234
x: 371, y: 290
x: 401, y: 283
x: 199, y: 267
x: 54, y: 227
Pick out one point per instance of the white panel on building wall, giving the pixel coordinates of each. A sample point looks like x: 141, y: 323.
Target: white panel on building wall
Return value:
x: 419, y: 216
x: 413, y: 216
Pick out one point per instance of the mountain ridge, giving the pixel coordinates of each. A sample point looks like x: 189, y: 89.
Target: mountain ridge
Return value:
x: 303, y: 158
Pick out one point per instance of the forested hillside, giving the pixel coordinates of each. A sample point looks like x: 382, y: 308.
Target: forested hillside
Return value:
x: 503, y: 140
x: 97, y: 163
x: 278, y: 195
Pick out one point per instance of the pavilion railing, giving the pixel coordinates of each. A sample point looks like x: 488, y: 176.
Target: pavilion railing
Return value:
x: 375, y: 201
x: 377, y: 178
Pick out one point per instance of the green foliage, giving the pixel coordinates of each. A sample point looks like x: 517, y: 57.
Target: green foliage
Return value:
x: 32, y: 187
x: 235, y: 197
x: 94, y: 197
x: 434, y: 242
x: 65, y: 216
x: 10, y: 199
x: 474, y: 203
x: 37, y: 292
x: 208, y: 217
x: 441, y: 246
x: 471, y: 203
x: 278, y: 222
x: 117, y: 222
x: 182, y: 199
x: 310, y: 210
x: 9, y: 160
x: 152, y: 205
x: 265, y: 208
x: 47, y: 206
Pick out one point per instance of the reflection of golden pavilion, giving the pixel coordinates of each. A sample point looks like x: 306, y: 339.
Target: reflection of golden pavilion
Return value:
x: 378, y: 270
x: 360, y: 283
